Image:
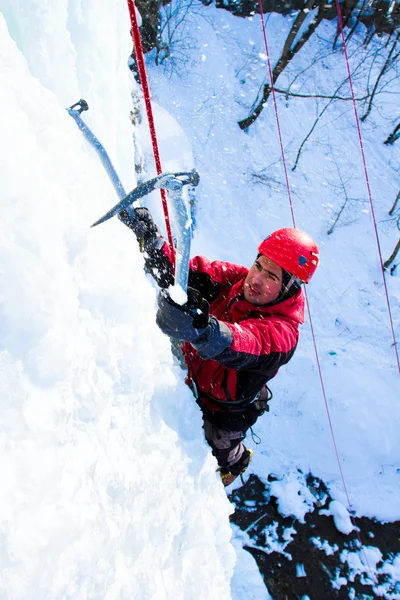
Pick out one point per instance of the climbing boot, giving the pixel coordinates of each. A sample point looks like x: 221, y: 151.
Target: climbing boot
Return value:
x: 228, y: 476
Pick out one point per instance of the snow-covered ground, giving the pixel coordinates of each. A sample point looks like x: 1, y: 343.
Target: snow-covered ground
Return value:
x: 107, y: 487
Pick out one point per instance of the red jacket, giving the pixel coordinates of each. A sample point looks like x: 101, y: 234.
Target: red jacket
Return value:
x: 264, y: 337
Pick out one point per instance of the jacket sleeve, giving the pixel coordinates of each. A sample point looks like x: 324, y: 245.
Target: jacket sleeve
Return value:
x: 208, y: 277
x: 253, y: 343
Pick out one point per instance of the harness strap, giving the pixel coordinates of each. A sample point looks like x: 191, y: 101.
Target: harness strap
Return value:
x: 260, y: 401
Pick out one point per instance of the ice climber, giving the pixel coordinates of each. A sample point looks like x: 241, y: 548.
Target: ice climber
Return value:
x: 238, y: 328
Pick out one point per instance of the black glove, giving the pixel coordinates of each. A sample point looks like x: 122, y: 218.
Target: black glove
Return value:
x: 187, y: 322
x: 192, y: 323
x: 143, y: 227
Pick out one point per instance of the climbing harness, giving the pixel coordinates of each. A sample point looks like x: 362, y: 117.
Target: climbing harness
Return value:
x: 259, y: 402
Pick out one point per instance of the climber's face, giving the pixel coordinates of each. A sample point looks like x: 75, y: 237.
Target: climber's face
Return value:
x: 263, y: 282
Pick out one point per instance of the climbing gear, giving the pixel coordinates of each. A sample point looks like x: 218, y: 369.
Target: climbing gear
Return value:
x: 75, y: 112
x: 137, y: 42
x: 255, y: 437
x: 293, y: 250
x: 259, y: 402
x: 228, y: 475
x: 145, y: 229
x: 173, y: 183
x: 264, y: 396
x: 290, y: 286
x: 186, y: 322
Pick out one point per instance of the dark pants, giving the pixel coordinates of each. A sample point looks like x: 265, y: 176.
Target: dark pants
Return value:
x: 226, y: 445
x: 225, y: 431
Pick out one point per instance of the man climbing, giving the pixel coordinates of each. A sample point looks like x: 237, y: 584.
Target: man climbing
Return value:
x: 238, y: 327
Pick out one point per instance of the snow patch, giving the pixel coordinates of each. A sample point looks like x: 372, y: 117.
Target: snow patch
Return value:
x: 294, y: 499
x: 340, y: 515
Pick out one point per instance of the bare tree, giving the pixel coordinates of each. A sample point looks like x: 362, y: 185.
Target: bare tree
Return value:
x: 378, y: 16
x: 174, y: 39
x: 332, y: 98
x: 395, y: 252
x: 290, y: 49
x: 395, y: 135
x: 357, y: 20
x: 390, y: 60
x: 344, y: 216
x: 347, y: 8
x: 309, y: 134
x: 392, y: 210
x: 172, y: 18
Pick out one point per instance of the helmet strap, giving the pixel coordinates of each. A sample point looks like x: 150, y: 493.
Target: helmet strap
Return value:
x: 293, y: 279
x: 290, y: 286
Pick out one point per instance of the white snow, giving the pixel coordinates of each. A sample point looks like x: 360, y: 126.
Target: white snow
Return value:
x: 362, y: 563
x: 300, y: 570
x: 108, y: 489
x: 340, y: 515
x: 293, y: 497
x: 246, y: 581
x: 177, y: 294
x: 366, y: 563
x: 324, y: 545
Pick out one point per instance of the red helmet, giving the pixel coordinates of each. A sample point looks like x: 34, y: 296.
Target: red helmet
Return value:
x: 293, y: 250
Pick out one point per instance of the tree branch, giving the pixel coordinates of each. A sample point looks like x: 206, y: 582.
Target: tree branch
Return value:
x: 309, y: 135
x: 287, y: 54
x: 391, y: 258
x: 393, y: 136
x: 326, y: 97
x: 391, y: 211
x: 381, y: 74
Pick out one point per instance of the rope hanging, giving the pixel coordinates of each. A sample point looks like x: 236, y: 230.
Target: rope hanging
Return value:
x: 307, y: 302
x: 137, y: 42
x: 367, y: 180
x: 271, y: 77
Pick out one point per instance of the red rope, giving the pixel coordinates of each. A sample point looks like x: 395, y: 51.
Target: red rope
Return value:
x: 276, y: 113
x: 307, y: 302
x: 137, y: 42
x: 367, y: 181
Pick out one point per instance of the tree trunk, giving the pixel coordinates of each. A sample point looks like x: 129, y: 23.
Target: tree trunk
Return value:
x: 391, y: 211
x: 347, y: 9
x: 356, y: 21
x: 288, y: 53
x: 391, y: 258
x: 393, y: 136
